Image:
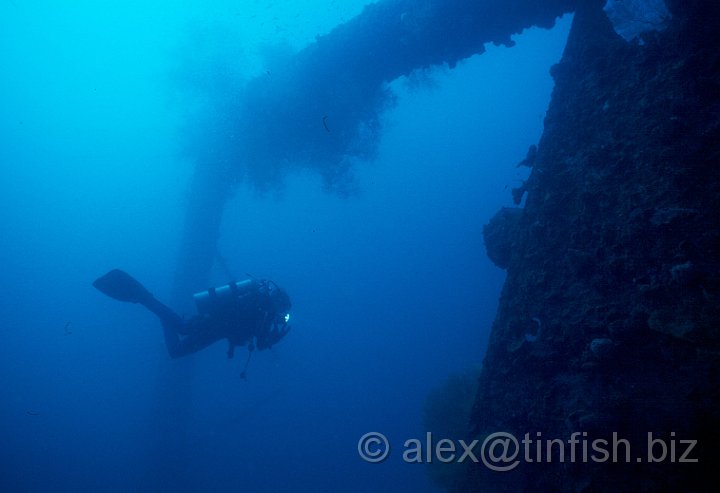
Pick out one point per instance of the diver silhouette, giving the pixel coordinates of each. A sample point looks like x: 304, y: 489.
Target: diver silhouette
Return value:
x: 251, y: 312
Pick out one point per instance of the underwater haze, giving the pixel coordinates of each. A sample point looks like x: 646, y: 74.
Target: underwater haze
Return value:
x: 106, y: 110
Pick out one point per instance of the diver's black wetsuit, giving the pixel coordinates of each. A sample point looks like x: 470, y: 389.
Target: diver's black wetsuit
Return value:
x: 239, y: 324
x: 173, y: 325
x: 255, y: 317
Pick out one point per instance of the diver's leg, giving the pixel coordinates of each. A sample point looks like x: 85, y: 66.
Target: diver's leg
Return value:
x: 193, y: 343
x: 168, y: 317
x: 172, y: 324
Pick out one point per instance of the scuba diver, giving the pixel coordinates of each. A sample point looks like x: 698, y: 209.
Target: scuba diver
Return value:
x: 251, y: 312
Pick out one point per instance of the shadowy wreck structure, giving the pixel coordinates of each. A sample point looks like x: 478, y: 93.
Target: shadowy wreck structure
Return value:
x: 609, y: 319
x: 323, y: 104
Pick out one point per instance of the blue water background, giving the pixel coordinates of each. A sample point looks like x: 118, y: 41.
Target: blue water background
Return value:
x: 391, y: 287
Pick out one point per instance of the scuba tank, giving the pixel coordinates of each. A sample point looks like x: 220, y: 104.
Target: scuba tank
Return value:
x: 214, y: 299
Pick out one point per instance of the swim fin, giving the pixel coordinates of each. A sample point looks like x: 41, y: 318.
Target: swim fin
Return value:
x: 122, y: 286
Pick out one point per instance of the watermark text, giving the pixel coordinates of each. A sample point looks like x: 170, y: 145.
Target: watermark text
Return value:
x: 502, y: 451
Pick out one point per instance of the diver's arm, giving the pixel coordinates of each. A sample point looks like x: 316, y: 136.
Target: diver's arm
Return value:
x: 272, y: 336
